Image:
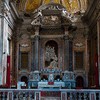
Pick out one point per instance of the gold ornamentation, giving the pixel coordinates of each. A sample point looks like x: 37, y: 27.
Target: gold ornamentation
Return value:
x: 72, y: 6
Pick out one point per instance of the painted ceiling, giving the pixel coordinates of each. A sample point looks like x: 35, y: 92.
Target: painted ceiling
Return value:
x: 72, y: 6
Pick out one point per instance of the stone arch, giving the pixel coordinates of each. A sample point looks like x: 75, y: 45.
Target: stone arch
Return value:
x: 51, y: 39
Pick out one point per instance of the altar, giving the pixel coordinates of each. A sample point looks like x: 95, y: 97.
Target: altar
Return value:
x: 52, y: 78
x: 51, y: 84
x: 52, y: 50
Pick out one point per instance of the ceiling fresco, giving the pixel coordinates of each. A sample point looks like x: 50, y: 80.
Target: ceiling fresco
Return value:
x: 72, y: 6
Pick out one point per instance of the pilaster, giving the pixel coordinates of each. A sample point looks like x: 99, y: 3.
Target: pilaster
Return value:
x: 86, y: 58
x: 98, y: 41
x: 1, y: 39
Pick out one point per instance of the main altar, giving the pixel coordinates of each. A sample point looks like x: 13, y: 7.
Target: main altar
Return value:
x: 52, y: 48
x: 49, y: 45
x: 52, y: 79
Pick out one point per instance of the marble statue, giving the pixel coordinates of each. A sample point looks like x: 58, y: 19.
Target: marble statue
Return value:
x: 54, y: 63
x: 51, y: 55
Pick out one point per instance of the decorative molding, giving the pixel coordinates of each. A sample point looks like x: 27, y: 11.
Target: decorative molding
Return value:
x: 14, y: 8
x: 48, y: 36
x: 79, y: 45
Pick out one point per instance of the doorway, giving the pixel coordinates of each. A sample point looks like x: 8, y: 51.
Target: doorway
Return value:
x: 79, y: 82
x: 24, y: 79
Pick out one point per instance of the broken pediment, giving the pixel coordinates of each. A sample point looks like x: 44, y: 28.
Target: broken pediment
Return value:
x: 52, y: 15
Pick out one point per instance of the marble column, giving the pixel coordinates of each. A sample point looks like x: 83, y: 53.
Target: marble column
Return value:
x: 33, y: 55
x: 66, y: 50
x: 36, y: 38
x: 70, y: 54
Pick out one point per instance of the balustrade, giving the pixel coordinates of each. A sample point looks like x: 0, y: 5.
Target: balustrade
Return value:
x: 35, y: 94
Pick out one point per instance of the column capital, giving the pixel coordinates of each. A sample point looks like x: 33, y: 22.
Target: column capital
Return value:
x: 66, y: 30
x: 66, y: 37
x: 70, y: 38
x: 36, y: 28
x: 35, y: 36
x: 66, y: 27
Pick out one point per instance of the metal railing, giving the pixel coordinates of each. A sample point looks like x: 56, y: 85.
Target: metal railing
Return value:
x: 46, y: 94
